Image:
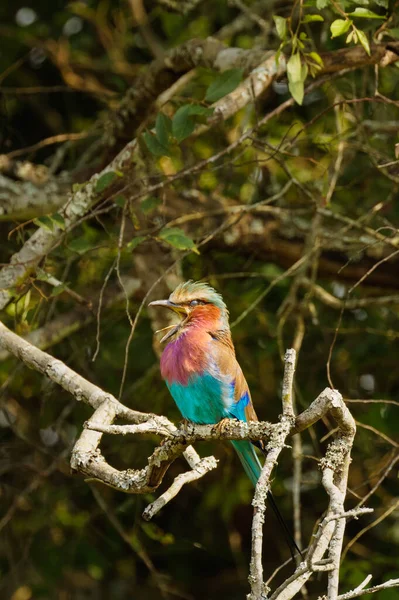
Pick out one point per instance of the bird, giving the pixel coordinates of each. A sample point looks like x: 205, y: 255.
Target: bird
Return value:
x: 201, y: 371
x: 200, y: 368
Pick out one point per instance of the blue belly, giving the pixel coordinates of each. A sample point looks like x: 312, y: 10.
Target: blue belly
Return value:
x: 201, y: 400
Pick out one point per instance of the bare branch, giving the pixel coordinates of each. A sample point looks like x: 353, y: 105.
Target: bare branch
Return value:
x: 21, y: 200
x: 274, y: 447
x: 359, y: 591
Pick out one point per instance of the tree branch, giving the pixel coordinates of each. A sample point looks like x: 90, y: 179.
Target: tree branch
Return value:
x: 87, y: 458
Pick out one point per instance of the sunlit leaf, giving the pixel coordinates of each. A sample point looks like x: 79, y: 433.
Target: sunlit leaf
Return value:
x: 311, y: 18
x: 281, y: 26
x: 363, y: 40
x: 365, y: 13
x: 297, y: 90
x: 294, y: 68
x: 339, y: 27
x: 316, y: 57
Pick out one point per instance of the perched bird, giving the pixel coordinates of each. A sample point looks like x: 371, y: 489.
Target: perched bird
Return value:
x: 200, y: 368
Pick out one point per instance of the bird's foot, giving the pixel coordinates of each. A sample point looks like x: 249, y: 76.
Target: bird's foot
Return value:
x: 221, y: 426
x: 186, y: 427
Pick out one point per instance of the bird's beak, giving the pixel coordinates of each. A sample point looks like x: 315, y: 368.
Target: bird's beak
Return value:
x: 180, y: 310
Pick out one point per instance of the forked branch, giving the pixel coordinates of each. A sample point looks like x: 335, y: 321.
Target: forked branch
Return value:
x: 324, y: 551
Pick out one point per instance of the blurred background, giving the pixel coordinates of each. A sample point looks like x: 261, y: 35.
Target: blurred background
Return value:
x: 64, y: 68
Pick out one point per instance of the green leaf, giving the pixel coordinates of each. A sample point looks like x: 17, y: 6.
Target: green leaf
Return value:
x: 339, y: 27
x: 225, y: 83
x: 105, y: 181
x: 58, y: 220
x: 135, y: 242
x: 316, y: 58
x: 281, y: 26
x: 363, y: 40
x: 154, y: 145
x: 183, y: 124
x: 80, y: 245
x: 149, y: 204
x: 311, y: 18
x: 178, y: 239
x: 394, y: 32
x: 42, y: 275
x: 163, y: 129
x: 320, y: 4
x: 297, y: 90
x: 197, y: 109
x: 45, y: 222
x: 365, y: 13
x: 58, y: 289
x: 120, y: 200
x: 294, y: 68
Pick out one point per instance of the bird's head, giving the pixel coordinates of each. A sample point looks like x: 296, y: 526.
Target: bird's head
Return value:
x: 196, y: 303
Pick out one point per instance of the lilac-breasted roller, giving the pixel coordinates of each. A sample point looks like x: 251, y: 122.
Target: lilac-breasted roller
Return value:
x: 200, y: 368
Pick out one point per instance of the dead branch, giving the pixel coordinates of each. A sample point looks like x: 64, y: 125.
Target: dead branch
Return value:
x: 87, y: 458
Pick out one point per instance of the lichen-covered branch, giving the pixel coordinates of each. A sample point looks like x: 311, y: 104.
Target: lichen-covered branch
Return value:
x: 163, y: 72
x: 78, y: 203
x: 335, y: 468
x: 21, y: 200
x: 87, y: 458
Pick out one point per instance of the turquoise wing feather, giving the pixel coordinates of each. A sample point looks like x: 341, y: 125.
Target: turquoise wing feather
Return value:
x: 219, y: 393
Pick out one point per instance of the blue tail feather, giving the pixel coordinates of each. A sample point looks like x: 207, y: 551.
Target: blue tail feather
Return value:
x: 249, y: 459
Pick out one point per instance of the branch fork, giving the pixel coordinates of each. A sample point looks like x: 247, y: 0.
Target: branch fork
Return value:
x: 176, y: 441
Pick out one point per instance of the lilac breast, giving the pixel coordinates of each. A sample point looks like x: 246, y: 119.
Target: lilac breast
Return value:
x: 182, y: 359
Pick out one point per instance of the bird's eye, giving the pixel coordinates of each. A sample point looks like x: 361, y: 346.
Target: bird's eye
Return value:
x: 194, y: 303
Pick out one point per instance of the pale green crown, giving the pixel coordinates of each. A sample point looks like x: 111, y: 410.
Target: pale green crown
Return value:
x: 196, y: 290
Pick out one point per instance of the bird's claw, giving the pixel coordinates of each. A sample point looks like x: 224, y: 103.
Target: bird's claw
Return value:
x: 221, y: 426
x: 186, y: 427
